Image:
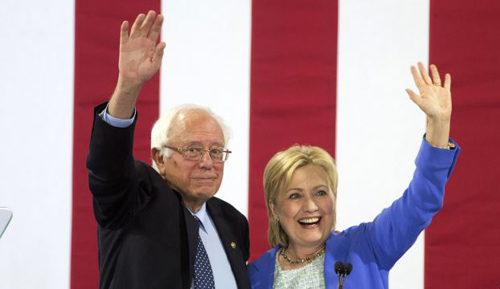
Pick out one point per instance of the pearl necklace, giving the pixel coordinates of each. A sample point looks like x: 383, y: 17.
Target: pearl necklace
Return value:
x: 298, y: 261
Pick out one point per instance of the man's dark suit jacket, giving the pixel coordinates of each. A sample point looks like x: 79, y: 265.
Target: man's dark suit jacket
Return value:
x: 147, y: 239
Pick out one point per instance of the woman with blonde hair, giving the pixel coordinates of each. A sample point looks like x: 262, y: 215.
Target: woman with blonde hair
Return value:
x: 300, y: 187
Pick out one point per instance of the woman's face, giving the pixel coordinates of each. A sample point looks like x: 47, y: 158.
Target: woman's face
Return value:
x: 306, y: 208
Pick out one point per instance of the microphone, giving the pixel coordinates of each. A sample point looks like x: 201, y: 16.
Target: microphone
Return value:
x: 347, y: 269
x: 339, y: 267
x: 342, y: 270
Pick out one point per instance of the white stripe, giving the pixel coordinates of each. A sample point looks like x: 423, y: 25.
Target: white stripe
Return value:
x: 207, y: 62
x: 379, y: 129
x: 36, y: 88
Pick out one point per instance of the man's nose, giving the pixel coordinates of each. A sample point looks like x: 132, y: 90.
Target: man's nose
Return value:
x: 206, y: 161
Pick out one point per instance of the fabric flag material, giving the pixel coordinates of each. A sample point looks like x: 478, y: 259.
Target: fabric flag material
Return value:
x: 464, y: 38
x: 327, y: 73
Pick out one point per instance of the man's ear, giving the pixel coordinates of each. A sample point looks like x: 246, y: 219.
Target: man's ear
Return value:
x: 158, y: 158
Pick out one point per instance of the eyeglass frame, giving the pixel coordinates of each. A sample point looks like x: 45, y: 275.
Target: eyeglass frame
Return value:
x: 183, y: 149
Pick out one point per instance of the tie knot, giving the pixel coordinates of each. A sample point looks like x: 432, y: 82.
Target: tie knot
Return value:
x: 198, y: 220
x: 200, y: 223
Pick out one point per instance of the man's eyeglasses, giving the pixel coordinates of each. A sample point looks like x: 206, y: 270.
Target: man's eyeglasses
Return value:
x: 195, y: 153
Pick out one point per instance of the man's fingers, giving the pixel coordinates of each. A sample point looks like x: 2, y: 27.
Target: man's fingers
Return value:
x: 124, y: 32
x: 148, y: 22
x: 136, y: 27
x: 156, y: 29
x: 424, y: 74
x: 435, y: 75
x: 158, y: 55
x: 447, y: 82
x: 416, y: 77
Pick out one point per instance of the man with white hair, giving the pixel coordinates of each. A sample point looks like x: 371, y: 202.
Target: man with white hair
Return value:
x: 162, y: 227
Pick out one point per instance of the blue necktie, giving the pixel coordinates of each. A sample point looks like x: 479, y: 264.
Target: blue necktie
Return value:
x: 203, y: 275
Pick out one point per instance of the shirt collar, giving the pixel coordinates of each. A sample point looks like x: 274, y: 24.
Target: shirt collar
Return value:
x: 202, y: 216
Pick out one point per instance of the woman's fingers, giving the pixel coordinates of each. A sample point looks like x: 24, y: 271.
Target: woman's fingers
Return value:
x: 435, y: 75
x: 447, y: 82
x: 424, y: 74
x: 413, y: 96
x: 416, y: 77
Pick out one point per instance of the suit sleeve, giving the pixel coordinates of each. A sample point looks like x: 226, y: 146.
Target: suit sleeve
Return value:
x: 246, y: 238
x: 113, y: 178
x: 396, y: 229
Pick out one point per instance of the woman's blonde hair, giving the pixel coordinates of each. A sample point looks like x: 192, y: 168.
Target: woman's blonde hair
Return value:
x: 278, y: 175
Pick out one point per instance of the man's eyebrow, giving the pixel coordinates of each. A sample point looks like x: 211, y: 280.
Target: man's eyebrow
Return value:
x: 198, y: 143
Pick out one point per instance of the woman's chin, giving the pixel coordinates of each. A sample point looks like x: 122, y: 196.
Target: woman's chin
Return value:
x: 310, y: 239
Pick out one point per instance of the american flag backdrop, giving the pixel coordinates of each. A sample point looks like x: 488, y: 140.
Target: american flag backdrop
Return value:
x: 323, y: 72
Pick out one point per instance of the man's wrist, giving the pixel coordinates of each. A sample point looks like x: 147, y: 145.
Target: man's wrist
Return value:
x: 127, y: 87
x: 116, y: 122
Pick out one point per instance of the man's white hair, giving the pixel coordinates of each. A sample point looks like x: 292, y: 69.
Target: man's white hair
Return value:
x: 160, y: 134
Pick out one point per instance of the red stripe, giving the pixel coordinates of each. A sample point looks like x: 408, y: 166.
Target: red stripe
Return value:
x: 293, y: 89
x: 96, y: 62
x: 462, y: 244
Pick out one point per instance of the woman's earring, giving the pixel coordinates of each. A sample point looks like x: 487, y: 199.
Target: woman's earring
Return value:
x: 277, y: 219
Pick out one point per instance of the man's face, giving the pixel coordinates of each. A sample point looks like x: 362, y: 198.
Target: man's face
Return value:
x: 197, y: 181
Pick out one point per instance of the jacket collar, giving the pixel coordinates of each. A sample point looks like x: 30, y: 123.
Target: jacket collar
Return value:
x: 261, y: 272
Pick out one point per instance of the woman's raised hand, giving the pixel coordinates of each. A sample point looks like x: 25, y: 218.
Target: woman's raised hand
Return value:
x: 434, y: 99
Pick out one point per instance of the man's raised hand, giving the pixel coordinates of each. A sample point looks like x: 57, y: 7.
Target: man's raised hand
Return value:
x: 140, y: 55
x: 140, y: 58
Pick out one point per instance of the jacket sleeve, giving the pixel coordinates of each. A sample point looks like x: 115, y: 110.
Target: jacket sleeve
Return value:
x: 397, y: 227
x: 114, y: 179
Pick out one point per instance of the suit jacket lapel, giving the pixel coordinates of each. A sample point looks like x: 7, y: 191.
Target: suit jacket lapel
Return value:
x: 262, y: 270
x: 192, y: 227
x: 234, y: 255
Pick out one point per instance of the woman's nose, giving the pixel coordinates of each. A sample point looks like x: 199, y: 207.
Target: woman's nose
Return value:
x: 310, y: 205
